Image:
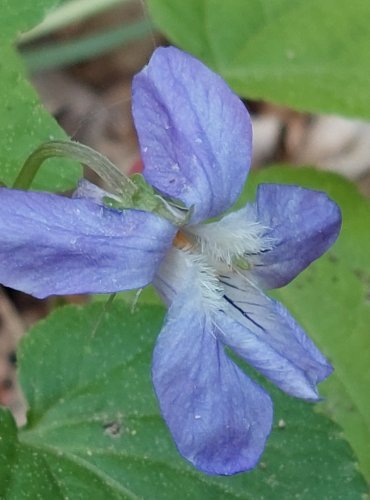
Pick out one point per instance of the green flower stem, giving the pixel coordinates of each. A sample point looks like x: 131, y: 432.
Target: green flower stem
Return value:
x: 126, y: 192
x: 118, y: 182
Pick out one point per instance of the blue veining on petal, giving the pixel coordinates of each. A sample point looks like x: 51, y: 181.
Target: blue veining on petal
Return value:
x: 262, y: 332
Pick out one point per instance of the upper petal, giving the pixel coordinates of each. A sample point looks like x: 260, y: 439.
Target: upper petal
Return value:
x: 263, y: 333
x: 218, y: 417
x: 301, y: 225
x: 52, y: 245
x: 194, y: 132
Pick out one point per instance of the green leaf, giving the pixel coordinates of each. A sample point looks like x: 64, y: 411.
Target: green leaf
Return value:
x: 94, y: 430
x: 24, y: 123
x: 331, y: 300
x: 307, y: 54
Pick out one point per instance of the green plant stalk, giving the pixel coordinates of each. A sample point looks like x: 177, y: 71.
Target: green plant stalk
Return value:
x: 117, y: 180
x: 55, y: 55
x: 125, y: 192
x: 70, y: 12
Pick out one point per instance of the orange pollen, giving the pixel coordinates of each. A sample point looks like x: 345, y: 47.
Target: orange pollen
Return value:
x: 181, y: 241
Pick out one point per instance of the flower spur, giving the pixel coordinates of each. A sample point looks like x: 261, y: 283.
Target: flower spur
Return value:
x: 195, y: 139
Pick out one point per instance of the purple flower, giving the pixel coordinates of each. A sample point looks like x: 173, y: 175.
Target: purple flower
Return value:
x: 195, y: 138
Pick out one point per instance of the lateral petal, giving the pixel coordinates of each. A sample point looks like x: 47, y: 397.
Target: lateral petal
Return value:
x: 52, y: 245
x: 194, y: 132
x: 218, y: 417
x: 302, y: 225
x: 263, y: 333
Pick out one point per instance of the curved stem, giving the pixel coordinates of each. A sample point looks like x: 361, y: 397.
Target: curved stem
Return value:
x: 118, y: 182
x: 130, y: 194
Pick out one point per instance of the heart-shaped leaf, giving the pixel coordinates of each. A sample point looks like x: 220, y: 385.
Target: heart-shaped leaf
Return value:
x: 94, y: 430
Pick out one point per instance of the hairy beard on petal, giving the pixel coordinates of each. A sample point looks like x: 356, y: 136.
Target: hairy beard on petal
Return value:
x: 234, y: 237
x: 204, y: 252
x: 182, y: 267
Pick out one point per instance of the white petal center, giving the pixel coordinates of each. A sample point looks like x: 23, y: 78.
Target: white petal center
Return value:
x: 203, y: 253
x: 232, y: 239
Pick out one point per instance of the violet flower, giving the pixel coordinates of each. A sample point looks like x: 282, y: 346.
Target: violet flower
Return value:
x: 195, y: 138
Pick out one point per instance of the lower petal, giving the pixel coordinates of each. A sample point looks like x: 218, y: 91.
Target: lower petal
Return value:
x: 262, y: 332
x: 219, y: 418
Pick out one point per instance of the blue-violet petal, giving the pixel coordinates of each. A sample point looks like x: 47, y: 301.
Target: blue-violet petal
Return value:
x: 301, y: 223
x: 219, y: 418
x: 52, y: 245
x: 262, y: 332
x: 195, y: 134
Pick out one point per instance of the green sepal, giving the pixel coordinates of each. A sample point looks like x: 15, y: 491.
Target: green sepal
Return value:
x: 146, y: 198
